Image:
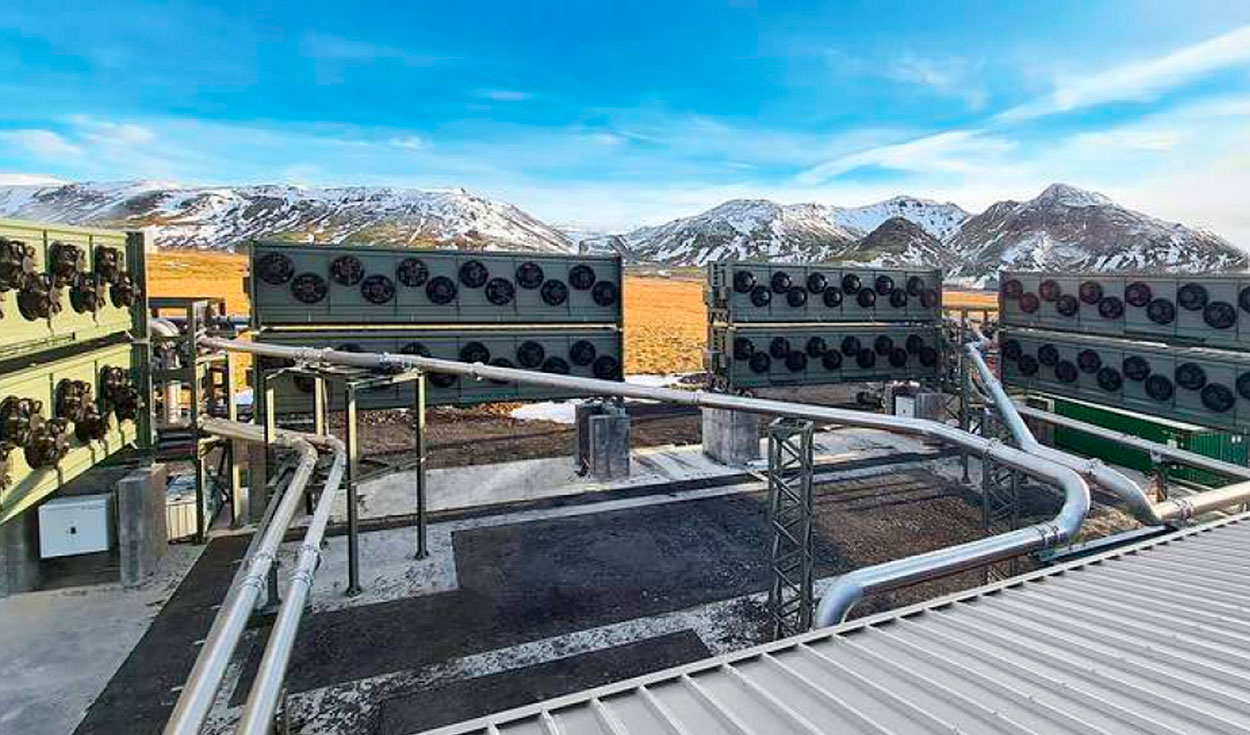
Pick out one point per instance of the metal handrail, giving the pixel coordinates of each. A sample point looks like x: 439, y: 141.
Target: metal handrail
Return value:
x: 848, y: 588
x: 1138, y: 500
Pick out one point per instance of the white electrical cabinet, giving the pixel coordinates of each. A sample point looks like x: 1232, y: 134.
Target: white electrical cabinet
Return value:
x: 78, y: 524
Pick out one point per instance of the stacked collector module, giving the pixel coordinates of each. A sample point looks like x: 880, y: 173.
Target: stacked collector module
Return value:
x: 554, y: 313
x: 70, y: 301
x: 791, y: 325
x: 1176, y: 346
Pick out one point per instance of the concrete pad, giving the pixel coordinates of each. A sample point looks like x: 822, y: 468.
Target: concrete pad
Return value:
x: 62, y: 646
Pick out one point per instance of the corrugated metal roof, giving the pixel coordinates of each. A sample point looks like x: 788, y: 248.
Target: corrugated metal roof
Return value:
x: 1150, y: 638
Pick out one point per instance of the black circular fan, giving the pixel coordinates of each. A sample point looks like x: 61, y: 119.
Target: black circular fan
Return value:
x: 928, y: 356
x: 1243, y: 386
x: 605, y: 293
x: 832, y: 297
x: 1048, y: 355
x: 744, y: 281
x: 851, y: 283
x: 582, y: 352
x: 898, y: 357
x: 816, y: 347
x: 796, y: 361
x: 1217, y: 398
x: 473, y: 274
x: 530, y: 354
x: 606, y: 367
x: 1029, y: 303
x: 866, y: 298
x: 554, y: 292
x: 581, y: 277
x: 1136, y: 368
x: 347, y: 270
x: 557, y: 365
x: 914, y: 343
x: 831, y: 360
x: 1066, y: 372
x: 1028, y: 365
x: 1067, y: 305
x: 743, y: 348
x: 1090, y: 292
x: 930, y: 297
x: 1191, y: 297
x: 1138, y: 294
x: 1109, y: 379
x: 760, y: 362
x: 1110, y: 308
x: 1049, y: 290
x: 1190, y: 375
x: 1243, y: 298
x: 780, y: 282
x: 761, y: 296
x: 898, y: 298
x: 1159, y: 388
x: 441, y: 290
x: 779, y: 347
x: 309, y: 288
x: 377, y: 289
x: 500, y: 291
x: 882, y: 345
x: 1161, y: 311
x: 1012, y: 350
x: 1012, y: 288
x: 415, y: 348
x: 796, y: 296
x: 1089, y: 361
x: 915, y: 286
x: 866, y: 358
x: 529, y: 275
x: 883, y: 285
x: 817, y: 283
x: 275, y: 269
x: 850, y: 346
x: 412, y: 272
x: 474, y: 352
x: 1219, y: 315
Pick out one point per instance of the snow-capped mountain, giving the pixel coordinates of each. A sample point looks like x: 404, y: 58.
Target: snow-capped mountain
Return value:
x: 1068, y: 228
x: 742, y: 229
x: 219, y: 218
x: 899, y: 242
x: 940, y: 220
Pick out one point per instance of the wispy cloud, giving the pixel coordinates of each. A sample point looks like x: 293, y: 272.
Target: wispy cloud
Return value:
x: 1139, y: 81
x: 411, y: 142
x: 40, y: 143
x: 107, y: 132
x: 950, y: 152
x: 329, y: 47
x: 948, y: 77
x: 504, y: 95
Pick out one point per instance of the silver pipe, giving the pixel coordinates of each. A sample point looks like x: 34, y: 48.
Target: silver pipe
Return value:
x: 262, y: 701
x: 848, y: 588
x: 160, y: 326
x: 197, y: 695
x: 1138, y: 500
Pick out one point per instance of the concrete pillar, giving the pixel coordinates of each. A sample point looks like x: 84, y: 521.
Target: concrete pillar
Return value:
x: 731, y: 437
x: 602, y: 440
x: 19, y: 554
x: 142, y: 533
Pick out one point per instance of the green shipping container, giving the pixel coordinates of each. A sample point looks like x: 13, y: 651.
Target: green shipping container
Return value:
x: 1223, y: 445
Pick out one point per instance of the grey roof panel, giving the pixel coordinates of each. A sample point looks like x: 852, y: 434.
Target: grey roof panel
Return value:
x: 1150, y: 638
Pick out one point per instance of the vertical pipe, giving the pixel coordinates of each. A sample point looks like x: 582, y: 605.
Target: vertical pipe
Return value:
x: 350, y: 431
x: 419, y: 430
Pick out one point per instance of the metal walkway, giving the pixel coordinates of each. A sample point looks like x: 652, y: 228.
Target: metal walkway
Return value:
x: 1150, y: 638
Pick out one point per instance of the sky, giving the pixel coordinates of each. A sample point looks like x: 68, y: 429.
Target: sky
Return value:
x: 608, y: 115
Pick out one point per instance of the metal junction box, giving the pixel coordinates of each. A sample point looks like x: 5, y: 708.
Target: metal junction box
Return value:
x: 764, y: 355
x: 1199, y: 309
x: 1202, y: 386
x: 77, y: 524
x: 292, y: 284
x: 585, y: 351
x: 59, y: 418
x: 744, y: 291
x: 62, y: 286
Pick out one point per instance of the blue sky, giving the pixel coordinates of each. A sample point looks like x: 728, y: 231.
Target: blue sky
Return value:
x: 608, y: 115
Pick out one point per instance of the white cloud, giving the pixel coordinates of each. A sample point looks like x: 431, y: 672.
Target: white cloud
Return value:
x: 411, y: 142
x: 25, y: 179
x: 328, y: 47
x: 41, y: 143
x: 1139, y: 81
x: 107, y: 132
x: 504, y: 95
x: 952, y: 77
x: 950, y: 152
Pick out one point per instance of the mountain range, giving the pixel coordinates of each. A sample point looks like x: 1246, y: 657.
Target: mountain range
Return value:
x: 1062, y: 228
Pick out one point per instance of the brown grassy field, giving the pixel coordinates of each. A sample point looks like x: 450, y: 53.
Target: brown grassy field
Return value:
x: 665, y: 321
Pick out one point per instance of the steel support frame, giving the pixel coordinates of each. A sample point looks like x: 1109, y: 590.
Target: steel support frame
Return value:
x: 790, y: 515
x: 352, y: 383
x: 1000, y: 498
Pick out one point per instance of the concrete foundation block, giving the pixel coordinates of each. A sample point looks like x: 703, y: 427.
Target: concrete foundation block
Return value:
x: 142, y: 533
x: 731, y: 437
x: 602, y: 440
x: 19, y: 554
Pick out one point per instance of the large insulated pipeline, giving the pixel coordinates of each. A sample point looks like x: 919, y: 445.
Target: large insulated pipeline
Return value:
x: 198, y: 694
x: 1138, y: 500
x: 848, y: 588
x: 262, y: 701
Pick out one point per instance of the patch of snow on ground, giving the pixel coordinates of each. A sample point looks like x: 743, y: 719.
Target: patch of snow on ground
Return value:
x: 564, y: 412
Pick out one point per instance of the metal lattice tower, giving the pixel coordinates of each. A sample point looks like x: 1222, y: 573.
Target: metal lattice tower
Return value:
x: 790, y: 511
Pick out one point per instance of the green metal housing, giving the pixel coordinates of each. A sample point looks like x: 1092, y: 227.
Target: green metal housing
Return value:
x: 587, y: 351
x: 1197, y: 309
x: 107, y: 261
x: 23, y: 486
x: 1230, y: 447
x: 763, y: 355
x: 737, y: 292
x: 294, y: 284
x: 1192, y: 384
